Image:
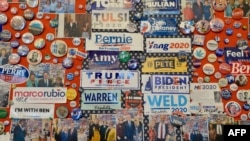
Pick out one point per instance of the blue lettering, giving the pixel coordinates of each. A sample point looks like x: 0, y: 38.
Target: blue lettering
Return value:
x: 182, y: 100
x: 170, y: 80
x: 155, y: 101
x: 113, y: 39
x: 167, y: 100
x: 97, y: 97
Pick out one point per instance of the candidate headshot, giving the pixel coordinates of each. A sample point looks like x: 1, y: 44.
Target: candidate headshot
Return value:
x: 61, y: 49
x: 241, y: 80
x: 34, y: 57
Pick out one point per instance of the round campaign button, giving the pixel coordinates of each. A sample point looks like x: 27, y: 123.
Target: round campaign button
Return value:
x: 217, y: 75
x: 196, y: 63
x: 39, y: 43
x: 212, y: 45
x: 223, y: 82
x: 241, y: 80
x: 3, y: 18
x: 206, y: 79
x: 244, y: 27
x: 23, y: 50
x: 242, y: 95
x: 39, y: 15
x: 5, y: 35
x: 242, y: 44
x: 58, y: 48
x: 47, y: 57
x: 199, y: 53
x: 62, y: 111
x: 233, y: 87
x: 246, y: 107
x: 226, y: 40
x: 76, y: 41
x: 13, y: 10
x: 208, y: 69
x: 17, y: 23
x: 219, y: 5
x: 211, y: 58
x: 238, y: 35
x: 22, y: 6
x: 4, y: 5
x: 133, y: 64
x: 14, y: 43
x: 67, y: 62
x: 226, y: 94
x: 2, y: 128
x: 229, y: 31
x: 27, y: 38
x: 76, y: 114
x: 233, y: 108
x: 227, y: 21
x: 217, y: 25
x: 71, y: 94
x: 195, y: 107
x: 243, y: 117
x: 230, y: 78
x: 124, y: 56
x: 53, y: 23
x: 202, y: 26
x: 219, y: 52
x: 217, y: 38
x: 72, y: 104
x: 14, y: 58
x: 50, y: 36
x: 200, y: 80
x: 3, y: 113
x: 225, y: 68
x: 28, y: 14
x: 237, y: 24
x: 36, y: 27
x: 237, y: 13
x: 32, y: 3
x: 17, y: 35
x: 70, y: 76
x: 34, y: 57
x: 131, y: 27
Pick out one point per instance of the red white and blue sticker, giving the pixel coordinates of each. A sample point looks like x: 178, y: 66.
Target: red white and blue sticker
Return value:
x: 233, y: 54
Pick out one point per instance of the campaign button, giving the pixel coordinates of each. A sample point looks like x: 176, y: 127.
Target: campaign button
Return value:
x: 225, y: 68
x: 76, y: 41
x: 211, y: 58
x: 246, y: 107
x: 226, y: 40
x: 13, y: 10
x: 195, y: 107
x: 70, y: 76
x: 131, y: 27
x: 237, y: 24
x: 28, y: 14
x: 222, y: 82
x: 238, y: 35
x: 50, y: 36
x: 217, y: 25
x: 200, y: 80
x: 62, y: 111
x: 67, y: 62
x: 202, y: 26
x: 23, y: 50
x: 243, y: 117
x: 196, y: 63
x: 14, y: 43
x: 58, y: 48
x: 17, y: 35
x: 5, y: 35
x: 233, y: 108
x: 32, y: 3
x: 237, y: 13
x: 219, y: 5
x: 39, y: 43
x: 217, y: 38
x: 199, y: 53
x: 71, y: 94
x: 34, y: 57
x: 124, y: 56
x: 14, y: 58
x: 39, y: 15
x: 47, y: 57
x: 36, y: 27
x: 73, y: 104
x: 133, y: 64
x: 17, y: 23
x: 3, y: 18
x: 244, y: 27
x: 233, y: 87
x: 4, y: 5
x: 242, y: 95
x: 212, y: 45
x: 242, y: 44
x: 27, y: 38
x: 76, y: 114
x: 230, y: 78
x: 74, y: 85
x: 241, y: 80
x: 217, y: 75
x: 229, y: 31
x: 3, y: 113
x: 80, y: 6
x: 206, y: 79
x: 22, y: 6
x: 53, y: 23
x: 227, y: 21
x: 2, y: 127
x: 219, y: 52
x: 208, y: 69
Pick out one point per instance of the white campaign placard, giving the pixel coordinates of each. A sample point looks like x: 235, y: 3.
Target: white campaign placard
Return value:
x: 166, y: 103
x: 168, y: 45
x: 39, y: 95
x: 37, y: 111
x: 109, y: 41
x: 110, y: 79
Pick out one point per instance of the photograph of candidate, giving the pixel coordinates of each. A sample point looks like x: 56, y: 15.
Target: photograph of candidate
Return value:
x: 61, y: 49
x: 161, y: 129
x: 71, y: 28
x: 4, y: 56
x: 120, y: 129
x: 19, y: 132
x: 34, y: 57
x: 58, y: 82
x: 111, y: 132
x: 45, y: 81
x: 241, y: 80
x: 32, y: 81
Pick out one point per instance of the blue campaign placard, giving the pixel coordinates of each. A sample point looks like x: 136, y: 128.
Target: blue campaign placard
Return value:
x: 233, y: 54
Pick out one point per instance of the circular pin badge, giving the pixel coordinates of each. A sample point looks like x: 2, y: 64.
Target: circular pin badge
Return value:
x: 131, y: 27
x: 62, y: 111
x: 237, y: 24
x: 229, y: 31
x: 34, y: 57
x: 2, y: 128
x: 17, y: 35
x: 211, y: 58
x: 58, y: 48
x: 226, y: 40
x: 230, y: 78
x: 217, y: 75
x: 3, y: 18
x: 32, y: 3
x: 199, y: 53
x: 36, y: 27
x: 238, y: 35
x: 5, y: 35
x: 233, y: 87
x: 124, y: 56
x: 208, y: 69
x: 76, y: 114
x: 14, y: 43
x: 3, y: 113
x: 67, y: 62
x: 243, y: 117
x: 133, y: 64
x: 195, y: 107
x: 22, y: 6
x: 23, y: 50
x: 39, y: 43
x: 4, y: 5
x: 217, y: 25
x: 212, y: 45
x: 233, y: 108
x: 50, y: 36
x: 28, y: 14
x: 39, y: 15
x: 17, y: 23
x: 237, y: 13
x: 14, y: 58
x: 242, y: 44
x: 242, y: 95
x: 71, y: 94
x: 27, y: 38
x: 76, y: 41
x: 226, y: 94
x: 70, y: 76
x: 202, y: 26
x: 200, y: 80
x: 206, y: 79
x: 225, y: 68
x: 219, y: 5
x: 219, y: 52
x: 223, y: 82
x: 73, y: 104
x: 241, y: 80
x: 13, y: 10
x: 47, y: 57
x: 196, y: 63
x: 53, y: 23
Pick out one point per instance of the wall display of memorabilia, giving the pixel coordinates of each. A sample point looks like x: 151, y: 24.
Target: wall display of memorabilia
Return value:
x: 123, y: 70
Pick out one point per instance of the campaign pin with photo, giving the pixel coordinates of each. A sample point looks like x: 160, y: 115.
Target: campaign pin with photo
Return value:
x: 226, y: 94
x: 208, y: 69
x: 67, y: 63
x: 202, y: 26
x: 233, y: 108
x: 241, y: 80
x: 62, y: 111
x: 3, y: 18
x: 230, y: 78
x: 59, y: 48
x: 219, y: 5
x: 237, y: 13
x: 32, y: 3
x: 28, y: 14
x: 4, y: 5
x: 212, y: 45
x: 34, y: 57
x: 14, y: 58
x: 217, y: 25
x: 50, y: 36
x: 36, y: 27
x: 39, y: 43
x: 13, y: 10
x: 242, y: 44
x: 27, y: 38
x: 242, y: 95
x: 23, y: 50
x: 199, y: 53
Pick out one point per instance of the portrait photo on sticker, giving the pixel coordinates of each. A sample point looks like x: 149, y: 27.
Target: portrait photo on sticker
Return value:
x: 74, y: 25
x: 241, y: 80
x: 4, y: 93
x: 46, y: 75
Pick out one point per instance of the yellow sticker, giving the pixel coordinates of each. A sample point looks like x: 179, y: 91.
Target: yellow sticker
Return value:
x: 71, y: 94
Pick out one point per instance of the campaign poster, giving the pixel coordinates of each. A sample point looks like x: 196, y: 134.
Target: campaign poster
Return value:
x: 133, y: 99
x: 159, y: 26
x: 112, y: 4
x: 34, y: 111
x: 161, y: 7
x: 110, y: 19
x: 172, y: 84
x: 111, y: 79
x: 156, y: 104
x: 168, y: 45
x: 100, y: 99
x: 4, y: 94
x: 70, y: 129
x: 39, y: 95
x: 30, y: 129
x: 106, y: 41
x: 101, y: 60
x: 46, y: 75
x: 166, y: 64
x: 57, y: 6
x: 129, y: 124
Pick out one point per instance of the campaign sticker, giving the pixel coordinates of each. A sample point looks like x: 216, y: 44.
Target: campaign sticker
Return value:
x: 112, y: 4
x: 159, y: 26
x: 233, y: 108
x: 198, y: 40
x: 161, y: 7
x: 133, y: 99
x: 14, y: 74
